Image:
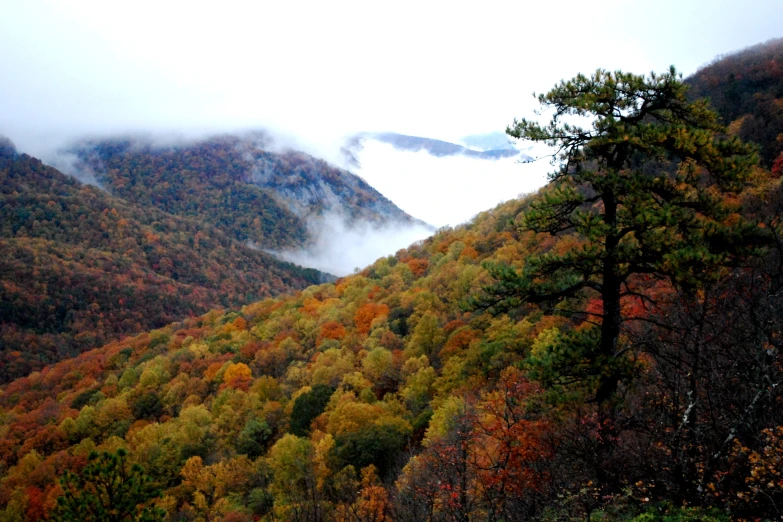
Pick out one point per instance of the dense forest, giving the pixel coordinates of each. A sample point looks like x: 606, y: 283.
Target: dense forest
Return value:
x: 80, y: 268
x: 180, y: 234
x: 606, y: 349
x: 746, y: 89
x: 237, y: 185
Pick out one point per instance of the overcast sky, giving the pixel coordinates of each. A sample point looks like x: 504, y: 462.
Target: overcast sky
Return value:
x: 318, y: 71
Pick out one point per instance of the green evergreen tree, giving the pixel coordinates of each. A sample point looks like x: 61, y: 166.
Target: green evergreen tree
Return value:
x: 108, y: 490
x: 643, y: 186
x: 253, y: 438
x: 307, y: 407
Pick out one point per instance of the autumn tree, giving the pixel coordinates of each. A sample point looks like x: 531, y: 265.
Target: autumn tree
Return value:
x: 483, y: 459
x: 640, y: 191
x: 295, y: 482
x: 509, y: 450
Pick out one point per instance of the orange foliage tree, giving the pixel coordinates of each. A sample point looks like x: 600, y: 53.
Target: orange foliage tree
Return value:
x: 490, y: 463
x: 238, y: 376
x: 366, y: 314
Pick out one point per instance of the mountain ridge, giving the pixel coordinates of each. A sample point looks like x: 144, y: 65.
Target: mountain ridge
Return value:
x: 746, y: 89
x: 206, y: 177
x: 434, y: 147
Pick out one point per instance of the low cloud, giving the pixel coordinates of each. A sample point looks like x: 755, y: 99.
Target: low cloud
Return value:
x: 69, y: 163
x: 340, y: 247
x: 447, y: 190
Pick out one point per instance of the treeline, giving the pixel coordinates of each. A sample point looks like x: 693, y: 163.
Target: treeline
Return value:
x: 80, y: 268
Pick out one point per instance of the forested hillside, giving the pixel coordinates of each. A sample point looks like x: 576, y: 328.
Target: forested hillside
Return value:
x: 80, y: 268
x: 467, y: 377
x: 235, y: 184
x: 606, y: 349
x: 746, y: 88
x: 343, y: 374
x: 281, y: 407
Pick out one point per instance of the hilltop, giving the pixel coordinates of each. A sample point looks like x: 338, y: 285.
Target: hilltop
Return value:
x: 437, y: 148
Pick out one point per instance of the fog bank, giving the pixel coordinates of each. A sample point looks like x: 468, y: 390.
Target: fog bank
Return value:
x: 341, y: 247
x: 446, y: 190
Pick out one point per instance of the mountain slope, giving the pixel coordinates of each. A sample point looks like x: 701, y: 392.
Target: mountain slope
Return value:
x: 392, y: 340
x: 236, y: 184
x: 746, y: 88
x: 80, y: 267
x: 280, y: 409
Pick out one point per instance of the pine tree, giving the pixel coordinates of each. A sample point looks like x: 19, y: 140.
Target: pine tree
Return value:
x: 642, y: 186
x: 108, y: 490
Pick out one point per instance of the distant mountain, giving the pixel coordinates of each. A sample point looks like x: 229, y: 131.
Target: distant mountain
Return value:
x: 237, y: 185
x: 746, y: 88
x: 310, y: 186
x: 434, y: 147
x: 80, y: 267
x: 489, y: 141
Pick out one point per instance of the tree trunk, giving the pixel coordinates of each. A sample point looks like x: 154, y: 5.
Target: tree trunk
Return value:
x: 609, y: 375
x: 610, y: 294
